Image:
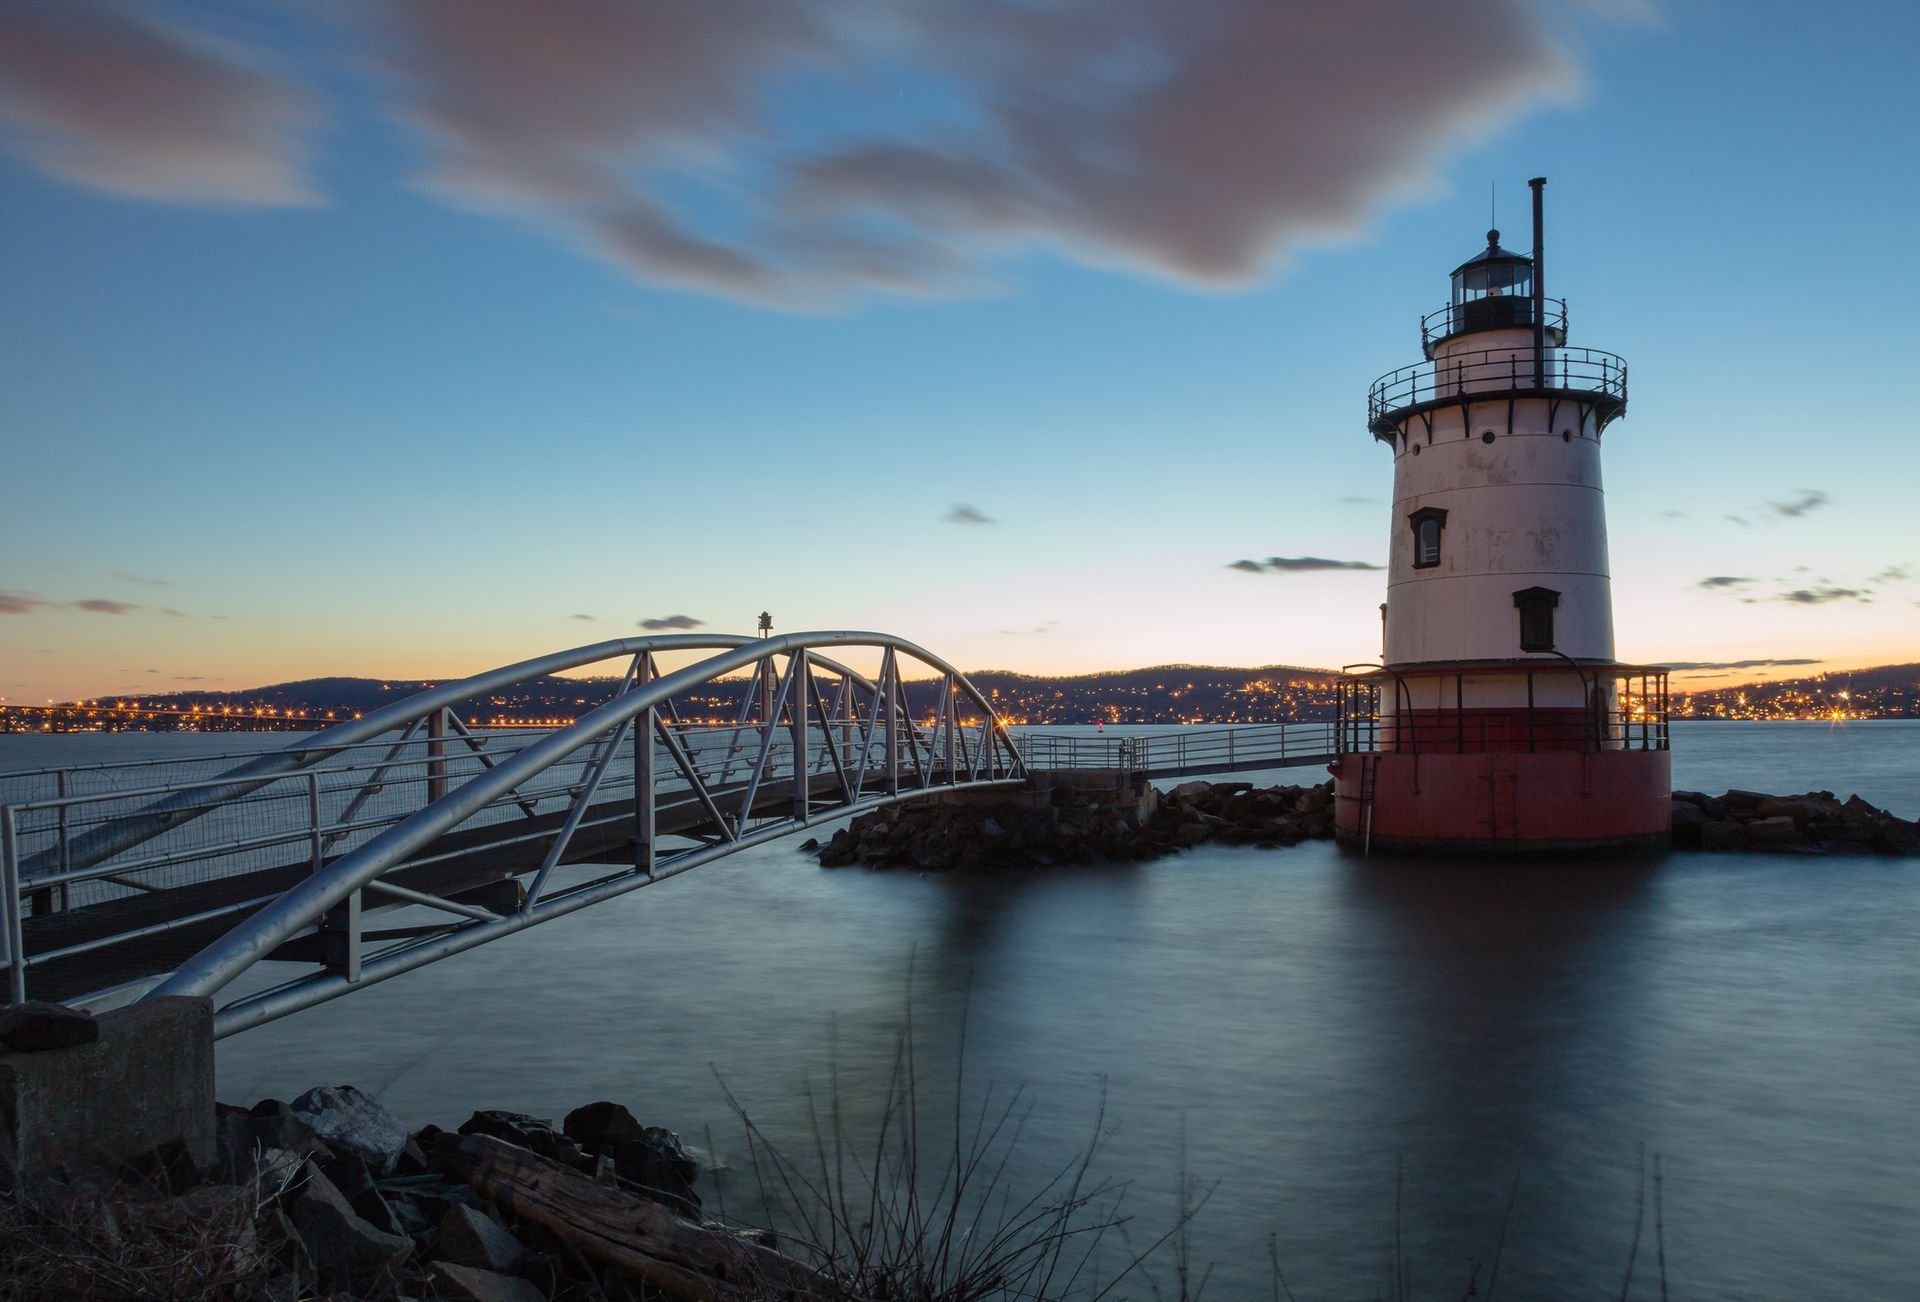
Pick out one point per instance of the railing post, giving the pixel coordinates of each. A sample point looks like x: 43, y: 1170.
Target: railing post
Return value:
x: 10, y: 908
x: 644, y: 809
x: 436, y: 755
x: 340, y: 927
x: 797, y: 695
x: 317, y: 845
x: 890, y: 679
x: 52, y: 899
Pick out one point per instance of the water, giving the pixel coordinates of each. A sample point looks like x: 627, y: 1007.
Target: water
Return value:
x: 1302, y: 1023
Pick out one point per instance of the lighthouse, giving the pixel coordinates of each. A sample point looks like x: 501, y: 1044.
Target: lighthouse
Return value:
x: 1498, y: 718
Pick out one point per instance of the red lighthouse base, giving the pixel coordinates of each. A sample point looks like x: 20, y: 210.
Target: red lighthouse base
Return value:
x: 1503, y: 801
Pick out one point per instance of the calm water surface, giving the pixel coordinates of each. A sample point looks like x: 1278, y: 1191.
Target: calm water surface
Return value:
x: 1304, y: 1022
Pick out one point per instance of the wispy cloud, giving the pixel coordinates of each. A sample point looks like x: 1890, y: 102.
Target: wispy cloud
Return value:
x: 103, y: 96
x: 1081, y: 127
x: 1724, y: 581
x: 664, y: 623
x: 1821, y: 596
x: 27, y: 603
x: 1803, y: 501
x: 1299, y: 565
x: 21, y: 603
x: 1737, y: 664
x: 579, y: 616
x: 1893, y: 574
x: 960, y: 513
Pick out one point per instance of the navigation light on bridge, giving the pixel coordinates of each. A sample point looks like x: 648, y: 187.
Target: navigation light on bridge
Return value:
x: 1500, y: 718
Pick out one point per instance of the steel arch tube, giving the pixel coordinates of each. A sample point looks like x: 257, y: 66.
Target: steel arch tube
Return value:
x: 269, y: 1005
x: 303, y: 905
x: 170, y: 812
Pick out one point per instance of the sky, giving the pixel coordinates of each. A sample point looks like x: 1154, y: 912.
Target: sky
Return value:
x: 408, y: 339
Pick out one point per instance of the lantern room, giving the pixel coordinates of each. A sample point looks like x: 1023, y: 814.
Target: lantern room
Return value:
x: 1493, y: 290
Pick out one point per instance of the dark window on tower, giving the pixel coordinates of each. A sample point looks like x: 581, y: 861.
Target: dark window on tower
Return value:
x: 1536, y: 606
x: 1429, y: 523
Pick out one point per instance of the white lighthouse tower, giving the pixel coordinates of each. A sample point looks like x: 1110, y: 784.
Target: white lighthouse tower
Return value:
x: 1499, y: 718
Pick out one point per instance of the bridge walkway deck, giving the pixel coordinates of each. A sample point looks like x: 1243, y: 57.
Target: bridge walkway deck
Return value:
x: 160, y: 930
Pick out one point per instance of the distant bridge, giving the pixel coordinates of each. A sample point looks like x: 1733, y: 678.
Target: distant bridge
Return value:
x: 178, y: 876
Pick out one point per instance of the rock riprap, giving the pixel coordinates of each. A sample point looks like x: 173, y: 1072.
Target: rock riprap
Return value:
x: 1074, y: 827
x: 1814, y: 822
x: 317, y: 1200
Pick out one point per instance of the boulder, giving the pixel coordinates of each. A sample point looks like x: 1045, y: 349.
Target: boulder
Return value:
x: 1805, y: 811
x: 1896, y: 836
x: 274, y: 1125
x: 1688, y: 822
x: 600, y: 1125
x: 36, y: 1026
x: 1719, y: 834
x: 1191, y: 792
x: 529, y: 1132
x: 346, y: 1118
x: 468, y: 1238
x: 288, y: 1252
x: 346, y: 1250
x: 349, y: 1173
x: 660, y: 1166
x: 1777, y: 833
x: 451, y: 1280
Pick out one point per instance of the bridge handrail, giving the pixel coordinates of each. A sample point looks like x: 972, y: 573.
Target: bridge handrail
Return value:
x: 1212, y: 749
x: 169, y: 812
x: 305, y: 904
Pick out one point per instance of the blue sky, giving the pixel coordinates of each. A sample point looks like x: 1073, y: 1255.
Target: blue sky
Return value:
x: 324, y: 333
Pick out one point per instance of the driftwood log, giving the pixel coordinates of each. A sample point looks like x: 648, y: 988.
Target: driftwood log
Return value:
x: 612, y: 1227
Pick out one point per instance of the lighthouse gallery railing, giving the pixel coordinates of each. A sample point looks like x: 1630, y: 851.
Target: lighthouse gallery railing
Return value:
x: 1626, y: 708
x: 1496, y: 372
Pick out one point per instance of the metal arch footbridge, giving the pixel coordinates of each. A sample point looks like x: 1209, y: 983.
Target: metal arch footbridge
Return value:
x: 409, y: 835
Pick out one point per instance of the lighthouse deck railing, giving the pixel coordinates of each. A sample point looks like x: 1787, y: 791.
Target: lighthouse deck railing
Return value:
x: 1624, y: 707
x: 1497, y: 372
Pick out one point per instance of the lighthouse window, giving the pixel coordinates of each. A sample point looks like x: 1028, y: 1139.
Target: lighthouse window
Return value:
x: 1536, y: 606
x: 1429, y: 523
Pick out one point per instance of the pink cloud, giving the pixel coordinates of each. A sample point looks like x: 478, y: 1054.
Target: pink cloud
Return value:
x: 105, y: 98
x: 1200, y: 142
x: 20, y: 603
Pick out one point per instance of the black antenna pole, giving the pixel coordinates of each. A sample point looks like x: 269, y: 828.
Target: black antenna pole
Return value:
x: 1539, y: 185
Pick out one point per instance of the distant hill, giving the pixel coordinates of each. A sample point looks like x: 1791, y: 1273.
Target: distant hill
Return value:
x: 1882, y: 691
x: 1157, y: 694
x: 1160, y: 694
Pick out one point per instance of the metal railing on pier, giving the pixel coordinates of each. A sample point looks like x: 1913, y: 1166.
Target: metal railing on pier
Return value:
x: 1183, y: 751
